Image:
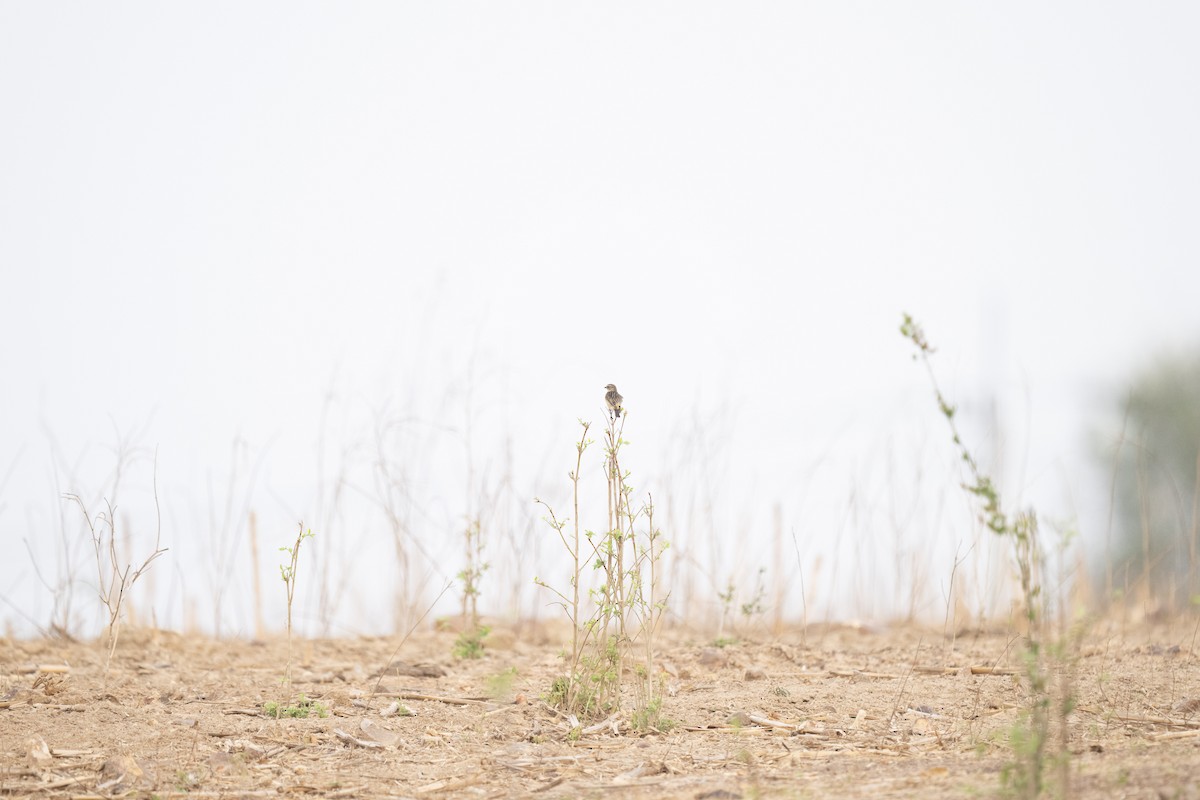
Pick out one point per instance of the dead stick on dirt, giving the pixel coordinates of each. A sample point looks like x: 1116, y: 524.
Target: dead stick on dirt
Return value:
x: 1176, y: 723
x: 502, y: 709
x: 208, y: 794
x: 433, y: 698
x: 30, y: 669
x: 611, y: 722
x: 1158, y: 737
x: 450, y: 786
x: 354, y: 740
x: 992, y: 671
x: 855, y: 673
x: 767, y: 722
x: 560, y: 779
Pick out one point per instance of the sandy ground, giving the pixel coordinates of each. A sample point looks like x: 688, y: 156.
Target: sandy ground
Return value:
x: 842, y: 712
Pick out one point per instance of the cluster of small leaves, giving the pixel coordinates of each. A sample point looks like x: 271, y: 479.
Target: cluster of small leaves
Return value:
x: 748, y: 609
x: 303, y: 708
x: 651, y: 718
x: 469, y: 644
x: 472, y: 575
x: 500, y: 685
x: 288, y: 571
x: 595, y: 687
x: 755, y: 606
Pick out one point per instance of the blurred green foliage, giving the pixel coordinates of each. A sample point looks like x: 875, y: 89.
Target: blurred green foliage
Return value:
x: 1155, y: 490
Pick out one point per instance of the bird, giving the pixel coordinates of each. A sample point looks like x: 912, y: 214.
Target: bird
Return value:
x: 613, y: 398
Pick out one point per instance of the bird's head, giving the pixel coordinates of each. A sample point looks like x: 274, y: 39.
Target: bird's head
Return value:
x: 611, y: 387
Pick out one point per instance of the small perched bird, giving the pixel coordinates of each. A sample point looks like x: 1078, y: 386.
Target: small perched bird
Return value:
x: 613, y: 398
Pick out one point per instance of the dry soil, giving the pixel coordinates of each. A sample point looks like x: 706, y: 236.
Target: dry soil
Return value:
x: 839, y: 712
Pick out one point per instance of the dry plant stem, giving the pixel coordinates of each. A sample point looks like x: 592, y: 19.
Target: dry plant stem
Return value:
x: 651, y: 612
x: 620, y: 534
x: 948, y: 638
x: 472, y: 573
x: 803, y: 593
x: 259, y: 625
x: 654, y: 614
x: 579, y: 448
x: 643, y: 601
x: 904, y: 684
x: 114, y: 588
x: 620, y: 522
x: 392, y: 658
x: 614, y: 522
x: 571, y: 604
x: 289, y: 579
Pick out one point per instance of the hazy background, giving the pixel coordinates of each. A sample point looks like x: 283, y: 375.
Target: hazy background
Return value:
x: 365, y: 265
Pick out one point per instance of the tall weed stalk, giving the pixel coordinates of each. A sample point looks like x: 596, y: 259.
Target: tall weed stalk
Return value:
x: 614, y: 623
x: 1030, y: 739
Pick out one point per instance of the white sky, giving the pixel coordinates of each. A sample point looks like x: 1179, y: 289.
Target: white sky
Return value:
x: 214, y: 216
